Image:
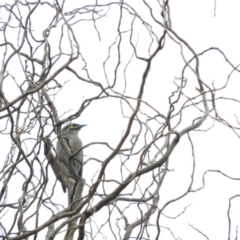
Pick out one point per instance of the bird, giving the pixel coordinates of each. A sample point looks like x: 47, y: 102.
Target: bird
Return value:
x: 70, y: 135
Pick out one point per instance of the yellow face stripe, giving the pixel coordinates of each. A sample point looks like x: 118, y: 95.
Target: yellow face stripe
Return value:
x: 73, y: 127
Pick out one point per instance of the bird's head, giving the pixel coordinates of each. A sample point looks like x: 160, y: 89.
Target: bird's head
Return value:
x: 73, y: 127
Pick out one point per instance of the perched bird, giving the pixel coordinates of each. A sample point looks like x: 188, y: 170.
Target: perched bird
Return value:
x: 70, y: 135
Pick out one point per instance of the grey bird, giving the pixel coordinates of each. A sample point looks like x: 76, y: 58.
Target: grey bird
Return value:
x: 70, y: 135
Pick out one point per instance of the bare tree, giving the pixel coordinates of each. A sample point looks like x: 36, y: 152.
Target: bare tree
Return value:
x: 104, y: 63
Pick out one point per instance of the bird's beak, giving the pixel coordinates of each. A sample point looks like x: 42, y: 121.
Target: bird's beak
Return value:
x: 82, y: 125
